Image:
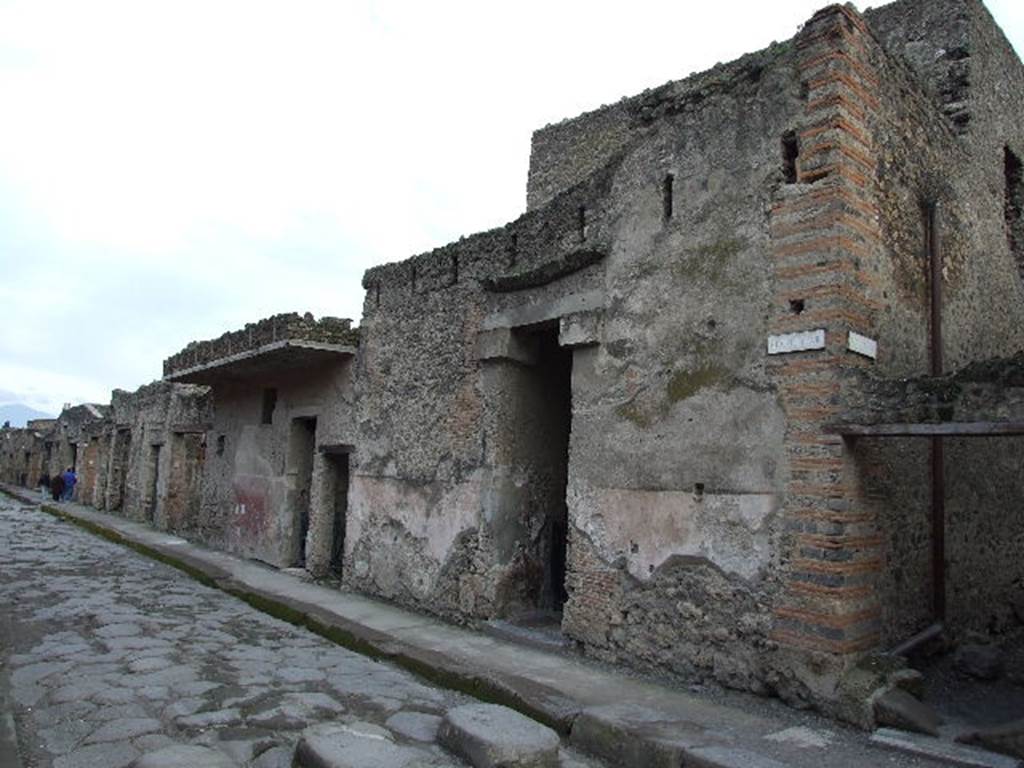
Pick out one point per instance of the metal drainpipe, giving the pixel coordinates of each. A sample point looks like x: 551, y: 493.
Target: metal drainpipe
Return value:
x: 938, y: 465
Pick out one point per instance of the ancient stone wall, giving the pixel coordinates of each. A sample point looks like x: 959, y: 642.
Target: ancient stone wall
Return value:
x: 971, y: 72
x: 652, y: 275
x: 257, y: 484
x: 589, y: 414
x: 777, y: 194
x: 421, y: 480
x: 145, y: 475
x: 21, y: 456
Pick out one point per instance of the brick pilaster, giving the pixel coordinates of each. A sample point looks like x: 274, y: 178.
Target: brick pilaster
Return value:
x: 825, y: 245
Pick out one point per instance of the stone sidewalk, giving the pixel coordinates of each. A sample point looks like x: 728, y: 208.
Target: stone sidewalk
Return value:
x: 626, y: 720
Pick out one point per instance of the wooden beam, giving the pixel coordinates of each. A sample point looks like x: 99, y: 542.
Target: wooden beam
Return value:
x: 944, y: 429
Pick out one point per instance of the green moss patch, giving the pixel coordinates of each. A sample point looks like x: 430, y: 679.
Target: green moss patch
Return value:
x: 684, y: 384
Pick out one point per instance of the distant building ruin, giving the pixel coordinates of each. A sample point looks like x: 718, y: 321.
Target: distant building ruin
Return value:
x: 649, y: 407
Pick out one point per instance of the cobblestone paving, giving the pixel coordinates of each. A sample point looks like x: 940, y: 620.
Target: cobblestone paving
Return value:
x: 110, y: 655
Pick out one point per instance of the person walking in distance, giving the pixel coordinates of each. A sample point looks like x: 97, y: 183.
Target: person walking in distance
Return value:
x: 70, y: 478
x: 57, y: 486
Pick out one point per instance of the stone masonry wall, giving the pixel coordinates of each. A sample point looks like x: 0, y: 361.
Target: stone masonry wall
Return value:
x: 249, y: 490
x: 21, y: 456
x: 139, y: 457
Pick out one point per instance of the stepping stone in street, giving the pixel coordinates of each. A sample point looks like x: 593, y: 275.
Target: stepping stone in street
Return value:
x: 359, y: 745
x: 491, y: 736
x: 418, y: 726
x: 184, y: 756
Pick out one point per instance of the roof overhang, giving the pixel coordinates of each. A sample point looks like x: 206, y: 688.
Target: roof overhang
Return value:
x: 275, y: 358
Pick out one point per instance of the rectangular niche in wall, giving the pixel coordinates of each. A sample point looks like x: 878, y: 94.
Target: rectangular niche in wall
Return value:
x: 1013, y: 206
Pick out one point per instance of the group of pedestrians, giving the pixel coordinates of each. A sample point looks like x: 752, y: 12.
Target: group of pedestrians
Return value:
x: 61, y: 486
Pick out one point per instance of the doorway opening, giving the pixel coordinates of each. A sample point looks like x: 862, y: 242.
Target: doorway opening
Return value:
x: 117, y: 484
x: 301, y: 443
x: 152, y: 482
x: 335, y: 502
x: 181, y: 505
x: 535, y: 405
x: 554, y: 368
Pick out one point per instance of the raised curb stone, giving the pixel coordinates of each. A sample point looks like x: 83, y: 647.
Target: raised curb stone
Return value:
x: 491, y: 736
x: 956, y: 754
x: 629, y: 736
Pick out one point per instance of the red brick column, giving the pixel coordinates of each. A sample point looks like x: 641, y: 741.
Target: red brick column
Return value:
x: 826, y: 241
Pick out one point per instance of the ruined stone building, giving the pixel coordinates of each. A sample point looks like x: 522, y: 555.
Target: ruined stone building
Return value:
x: 663, y: 407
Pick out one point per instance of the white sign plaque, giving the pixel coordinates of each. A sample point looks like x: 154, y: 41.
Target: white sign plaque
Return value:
x: 785, y: 343
x: 862, y: 345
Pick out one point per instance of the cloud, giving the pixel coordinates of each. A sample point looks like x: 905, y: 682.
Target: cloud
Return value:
x: 169, y: 171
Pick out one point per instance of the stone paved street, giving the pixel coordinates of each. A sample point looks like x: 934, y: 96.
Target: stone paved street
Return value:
x: 110, y: 655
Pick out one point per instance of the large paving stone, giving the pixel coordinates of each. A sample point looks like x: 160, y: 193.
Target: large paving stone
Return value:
x: 123, y: 729
x: 359, y: 745
x: 418, y: 726
x: 491, y: 736
x: 117, y: 755
x: 184, y: 756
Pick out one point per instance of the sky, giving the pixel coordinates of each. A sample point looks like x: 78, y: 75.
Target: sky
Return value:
x: 172, y: 170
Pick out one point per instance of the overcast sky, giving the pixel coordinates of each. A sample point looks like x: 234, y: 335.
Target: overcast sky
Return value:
x: 172, y: 170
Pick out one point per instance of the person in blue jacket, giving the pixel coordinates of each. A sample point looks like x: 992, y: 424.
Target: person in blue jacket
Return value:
x: 70, y: 478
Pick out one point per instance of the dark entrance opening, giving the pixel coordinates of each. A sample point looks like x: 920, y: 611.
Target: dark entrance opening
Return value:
x: 537, y: 418
x: 337, y: 498
x: 152, y: 482
x: 554, y: 374
x: 117, y: 484
x: 301, y: 443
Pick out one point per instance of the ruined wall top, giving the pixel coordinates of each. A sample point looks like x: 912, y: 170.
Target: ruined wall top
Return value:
x: 957, y: 52
x: 986, y: 391
x: 566, y: 152
x: 284, y: 327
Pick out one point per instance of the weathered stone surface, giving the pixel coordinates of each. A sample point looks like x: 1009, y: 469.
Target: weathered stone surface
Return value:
x: 1007, y: 739
x: 220, y: 717
x: 635, y: 737
x: 898, y: 709
x: 123, y: 729
x: 356, y: 746
x: 943, y: 751
x: 491, y: 736
x: 983, y: 661
x: 123, y: 710
x: 668, y: 237
x: 185, y: 756
x: 418, y: 726
x: 276, y: 757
